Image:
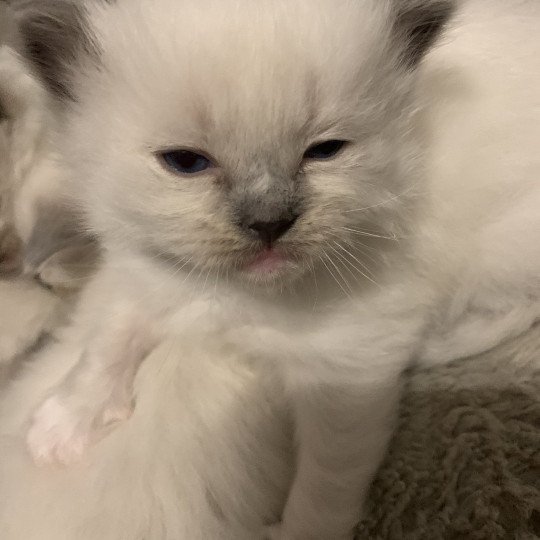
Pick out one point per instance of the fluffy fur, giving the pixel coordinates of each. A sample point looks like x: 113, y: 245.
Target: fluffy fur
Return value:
x: 419, y: 238
x: 204, y: 456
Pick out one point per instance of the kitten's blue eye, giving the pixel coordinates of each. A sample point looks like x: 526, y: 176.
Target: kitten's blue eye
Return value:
x: 325, y: 150
x: 186, y: 162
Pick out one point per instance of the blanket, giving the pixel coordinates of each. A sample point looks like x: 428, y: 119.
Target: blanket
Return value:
x: 465, y: 462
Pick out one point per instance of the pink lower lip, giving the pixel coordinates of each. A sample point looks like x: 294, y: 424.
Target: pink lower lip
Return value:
x: 268, y: 260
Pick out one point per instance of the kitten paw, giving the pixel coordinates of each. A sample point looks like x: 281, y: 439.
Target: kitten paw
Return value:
x: 61, y: 431
x: 58, y: 433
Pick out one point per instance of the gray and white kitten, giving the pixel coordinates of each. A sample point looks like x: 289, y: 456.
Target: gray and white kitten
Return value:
x: 289, y: 180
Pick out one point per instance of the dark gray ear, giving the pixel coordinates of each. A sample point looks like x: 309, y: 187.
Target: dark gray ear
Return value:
x: 54, y: 34
x: 419, y: 23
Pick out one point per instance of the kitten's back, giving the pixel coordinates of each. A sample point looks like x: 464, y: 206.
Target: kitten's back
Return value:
x: 482, y: 122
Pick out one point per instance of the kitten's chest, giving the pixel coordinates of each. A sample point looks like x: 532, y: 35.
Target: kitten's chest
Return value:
x: 252, y: 330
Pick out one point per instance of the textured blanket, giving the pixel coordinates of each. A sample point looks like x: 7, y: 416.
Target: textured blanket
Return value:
x: 465, y: 462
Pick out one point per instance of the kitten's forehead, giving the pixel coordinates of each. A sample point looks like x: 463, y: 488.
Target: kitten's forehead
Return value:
x: 215, y: 61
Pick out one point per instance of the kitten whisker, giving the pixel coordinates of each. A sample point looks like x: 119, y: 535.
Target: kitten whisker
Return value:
x: 383, y: 203
x: 366, y: 268
x: 206, y: 280
x: 357, y: 245
x: 362, y: 264
x: 361, y: 232
x: 347, y: 264
x: 343, y: 286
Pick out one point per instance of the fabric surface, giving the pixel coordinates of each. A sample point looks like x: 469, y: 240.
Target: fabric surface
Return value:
x: 465, y: 462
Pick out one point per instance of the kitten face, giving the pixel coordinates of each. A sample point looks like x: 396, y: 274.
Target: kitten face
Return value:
x: 197, y: 135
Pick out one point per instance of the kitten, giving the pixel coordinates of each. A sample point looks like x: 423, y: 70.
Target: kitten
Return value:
x: 29, y: 177
x: 37, y: 235
x: 289, y: 178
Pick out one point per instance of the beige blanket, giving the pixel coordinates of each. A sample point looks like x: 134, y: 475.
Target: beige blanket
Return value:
x: 466, y: 460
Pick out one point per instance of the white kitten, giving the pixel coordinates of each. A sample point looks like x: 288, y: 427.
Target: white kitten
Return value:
x: 284, y: 177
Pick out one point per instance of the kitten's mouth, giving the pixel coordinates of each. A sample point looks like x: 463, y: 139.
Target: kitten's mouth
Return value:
x: 268, y: 261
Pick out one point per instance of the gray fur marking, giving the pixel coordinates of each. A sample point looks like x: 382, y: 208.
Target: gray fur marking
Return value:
x: 55, y: 34
x: 280, y: 199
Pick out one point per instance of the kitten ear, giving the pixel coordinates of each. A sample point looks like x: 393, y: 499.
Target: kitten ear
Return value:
x: 54, y: 34
x: 419, y: 23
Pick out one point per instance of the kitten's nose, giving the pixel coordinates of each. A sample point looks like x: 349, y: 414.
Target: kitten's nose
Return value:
x: 270, y: 231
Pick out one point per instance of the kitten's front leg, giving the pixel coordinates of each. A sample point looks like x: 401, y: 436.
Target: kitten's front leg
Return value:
x: 95, y: 394
x: 342, y: 435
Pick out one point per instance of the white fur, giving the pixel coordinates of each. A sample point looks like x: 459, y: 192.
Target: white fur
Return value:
x: 425, y: 226
x: 482, y: 118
